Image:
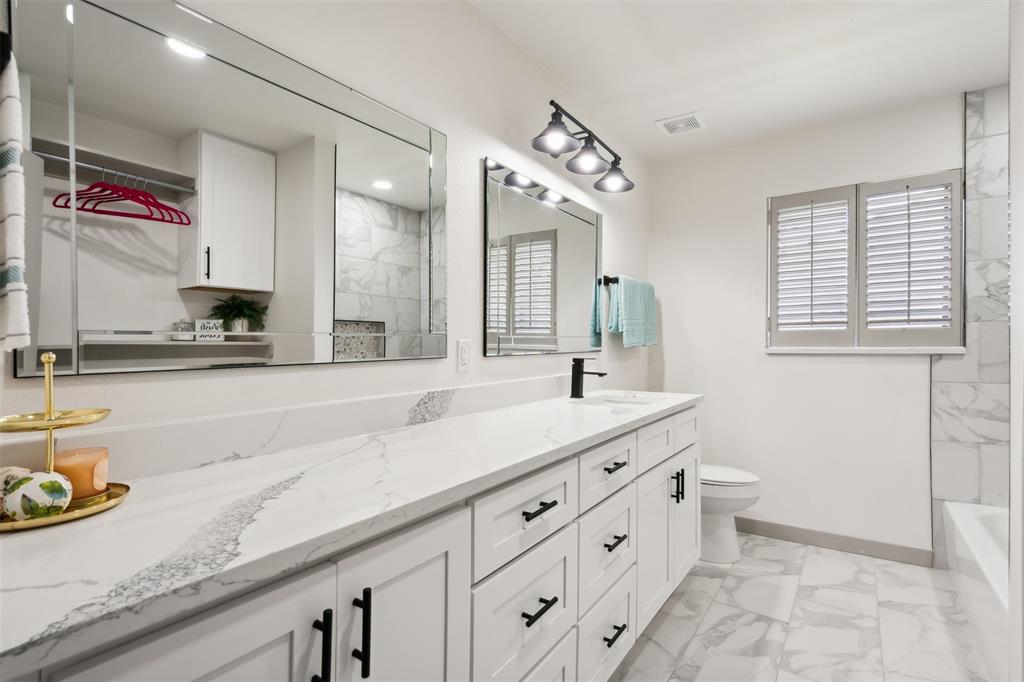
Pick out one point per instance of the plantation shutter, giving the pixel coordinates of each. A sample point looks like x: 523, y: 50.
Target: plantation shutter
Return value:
x: 533, y: 293
x: 910, y: 250
x: 812, y: 268
x: 497, y: 288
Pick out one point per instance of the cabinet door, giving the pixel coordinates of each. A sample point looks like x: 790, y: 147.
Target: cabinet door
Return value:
x: 685, y: 519
x: 237, y: 215
x: 655, y: 443
x: 267, y: 636
x: 413, y: 617
x: 654, y: 559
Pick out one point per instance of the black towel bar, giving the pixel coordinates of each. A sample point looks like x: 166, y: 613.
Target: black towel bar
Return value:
x: 605, y: 280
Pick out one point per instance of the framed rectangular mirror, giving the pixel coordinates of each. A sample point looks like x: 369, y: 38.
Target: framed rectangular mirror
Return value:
x: 201, y: 200
x: 542, y: 256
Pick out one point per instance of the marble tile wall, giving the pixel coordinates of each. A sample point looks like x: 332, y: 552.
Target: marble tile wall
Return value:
x: 971, y: 393
x: 163, y: 447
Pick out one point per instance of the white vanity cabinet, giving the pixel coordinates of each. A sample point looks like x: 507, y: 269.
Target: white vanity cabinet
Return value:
x: 404, y: 606
x: 266, y: 637
x: 230, y: 243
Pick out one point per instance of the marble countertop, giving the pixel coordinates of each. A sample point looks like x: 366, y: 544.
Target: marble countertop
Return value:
x: 184, y: 540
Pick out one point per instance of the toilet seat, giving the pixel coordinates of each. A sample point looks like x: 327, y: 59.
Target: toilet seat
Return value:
x: 713, y: 474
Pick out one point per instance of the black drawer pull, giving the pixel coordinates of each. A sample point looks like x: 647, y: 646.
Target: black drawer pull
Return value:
x: 619, y: 539
x: 682, y: 484
x: 207, y: 273
x: 544, y: 506
x: 326, y: 626
x: 532, y: 618
x: 619, y: 629
x: 363, y: 654
x: 678, y: 494
x: 615, y: 467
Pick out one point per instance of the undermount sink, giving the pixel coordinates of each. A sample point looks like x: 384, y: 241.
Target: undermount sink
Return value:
x: 620, y: 399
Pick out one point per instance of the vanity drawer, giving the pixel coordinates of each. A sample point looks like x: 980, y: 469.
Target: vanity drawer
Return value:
x: 687, y: 428
x: 607, y: 544
x: 559, y: 665
x: 606, y: 468
x: 612, y: 618
x: 505, y: 643
x: 516, y: 517
x: 655, y: 443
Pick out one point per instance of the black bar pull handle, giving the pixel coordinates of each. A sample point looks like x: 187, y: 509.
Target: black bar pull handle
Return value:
x: 326, y: 626
x: 619, y: 539
x: 544, y: 506
x: 682, y: 484
x: 207, y: 262
x: 619, y: 629
x: 678, y: 494
x: 532, y: 618
x: 615, y: 467
x: 363, y: 653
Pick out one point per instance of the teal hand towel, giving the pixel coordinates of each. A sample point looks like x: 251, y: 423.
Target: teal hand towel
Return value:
x: 632, y: 312
x: 595, y: 317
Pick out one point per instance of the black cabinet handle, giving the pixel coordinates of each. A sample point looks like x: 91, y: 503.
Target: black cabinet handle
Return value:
x: 207, y: 262
x: 682, y: 484
x: 363, y: 654
x: 619, y: 629
x: 544, y: 506
x: 615, y: 467
x: 532, y: 618
x: 619, y: 539
x: 326, y: 626
x: 677, y: 495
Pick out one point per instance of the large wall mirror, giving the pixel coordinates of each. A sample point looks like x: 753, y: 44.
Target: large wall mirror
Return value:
x: 195, y: 200
x: 542, y: 253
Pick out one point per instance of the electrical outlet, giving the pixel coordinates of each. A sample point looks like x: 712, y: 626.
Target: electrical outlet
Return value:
x: 463, y: 354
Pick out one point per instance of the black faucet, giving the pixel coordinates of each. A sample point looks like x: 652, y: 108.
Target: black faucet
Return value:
x: 577, y: 377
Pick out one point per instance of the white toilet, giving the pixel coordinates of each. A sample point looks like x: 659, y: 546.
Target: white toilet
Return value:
x: 723, y: 492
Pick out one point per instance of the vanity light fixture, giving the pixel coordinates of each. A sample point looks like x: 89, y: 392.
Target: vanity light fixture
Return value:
x: 552, y: 197
x: 519, y: 181
x: 382, y: 184
x: 493, y: 165
x: 556, y: 139
x: 184, y: 49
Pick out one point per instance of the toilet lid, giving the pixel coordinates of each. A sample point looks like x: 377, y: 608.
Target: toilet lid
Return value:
x: 719, y: 475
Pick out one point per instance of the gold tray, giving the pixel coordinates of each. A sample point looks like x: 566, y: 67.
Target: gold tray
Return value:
x: 78, y: 509
x: 37, y: 421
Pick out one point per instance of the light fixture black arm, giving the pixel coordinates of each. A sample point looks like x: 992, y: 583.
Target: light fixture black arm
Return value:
x: 560, y: 109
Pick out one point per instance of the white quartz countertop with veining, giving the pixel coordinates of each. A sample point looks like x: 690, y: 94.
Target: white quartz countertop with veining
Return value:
x: 183, y: 540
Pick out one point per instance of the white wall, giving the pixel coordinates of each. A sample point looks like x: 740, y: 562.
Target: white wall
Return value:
x: 490, y: 100
x: 841, y: 442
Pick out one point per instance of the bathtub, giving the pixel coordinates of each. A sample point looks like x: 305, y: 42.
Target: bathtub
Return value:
x: 977, y: 546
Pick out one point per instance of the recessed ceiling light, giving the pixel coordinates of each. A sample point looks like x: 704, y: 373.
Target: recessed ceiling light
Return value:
x: 69, y: 13
x: 194, y: 13
x: 184, y: 49
x: 382, y: 184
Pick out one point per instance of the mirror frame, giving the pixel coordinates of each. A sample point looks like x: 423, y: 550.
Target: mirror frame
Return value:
x: 570, y: 207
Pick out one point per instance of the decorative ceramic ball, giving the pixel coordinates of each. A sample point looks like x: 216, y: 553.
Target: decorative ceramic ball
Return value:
x: 38, y: 494
x: 9, y: 475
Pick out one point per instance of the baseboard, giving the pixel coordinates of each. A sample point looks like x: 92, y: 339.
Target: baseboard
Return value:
x: 843, y: 543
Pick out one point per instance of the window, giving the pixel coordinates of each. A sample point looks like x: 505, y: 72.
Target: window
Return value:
x: 875, y: 265
x: 521, y: 289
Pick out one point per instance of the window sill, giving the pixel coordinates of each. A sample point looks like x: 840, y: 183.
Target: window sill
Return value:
x: 881, y: 350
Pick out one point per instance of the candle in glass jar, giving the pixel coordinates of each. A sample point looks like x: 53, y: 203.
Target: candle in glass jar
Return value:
x: 86, y: 468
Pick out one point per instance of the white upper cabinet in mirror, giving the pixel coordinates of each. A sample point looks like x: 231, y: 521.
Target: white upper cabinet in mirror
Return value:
x: 542, y: 255
x: 221, y: 205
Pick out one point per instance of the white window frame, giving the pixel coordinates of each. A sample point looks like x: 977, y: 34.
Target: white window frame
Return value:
x: 510, y: 336
x: 857, y: 338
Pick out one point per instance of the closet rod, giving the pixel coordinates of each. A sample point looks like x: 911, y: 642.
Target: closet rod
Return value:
x: 117, y: 173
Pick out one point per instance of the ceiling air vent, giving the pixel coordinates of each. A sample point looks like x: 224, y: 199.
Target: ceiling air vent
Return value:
x: 677, y: 125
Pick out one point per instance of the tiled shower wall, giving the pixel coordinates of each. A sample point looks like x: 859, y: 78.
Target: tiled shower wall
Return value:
x: 971, y: 393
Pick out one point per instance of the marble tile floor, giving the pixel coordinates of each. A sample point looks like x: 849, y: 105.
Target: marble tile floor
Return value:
x: 788, y: 612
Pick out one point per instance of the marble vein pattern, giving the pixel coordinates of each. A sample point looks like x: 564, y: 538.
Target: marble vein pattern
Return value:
x: 987, y: 166
x: 987, y: 358
x: 988, y: 290
x: 971, y: 412
x: 986, y: 112
x: 204, y: 534
x: 851, y: 618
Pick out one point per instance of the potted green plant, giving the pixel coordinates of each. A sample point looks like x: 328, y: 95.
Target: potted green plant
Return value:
x: 240, y: 313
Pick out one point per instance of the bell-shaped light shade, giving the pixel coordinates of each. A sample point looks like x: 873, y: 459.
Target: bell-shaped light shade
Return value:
x: 519, y: 181
x: 552, y: 197
x: 614, y: 181
x: 556, y: 138
x: 493, y: 165
x: 588, y: 161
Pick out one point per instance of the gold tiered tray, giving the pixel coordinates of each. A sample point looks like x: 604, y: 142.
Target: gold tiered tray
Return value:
x: 50, y: 420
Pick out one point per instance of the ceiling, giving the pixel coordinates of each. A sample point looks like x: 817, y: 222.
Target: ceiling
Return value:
x: 752, y: 68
